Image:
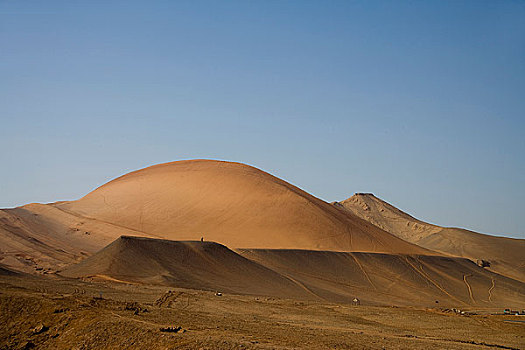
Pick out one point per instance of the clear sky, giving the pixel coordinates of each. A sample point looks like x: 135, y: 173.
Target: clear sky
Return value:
x: 420, y: 102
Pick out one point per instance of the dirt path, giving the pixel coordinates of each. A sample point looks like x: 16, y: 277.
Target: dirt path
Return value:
x: 491, y: 288
x: 425, y: 276
x: 300, y: 284
x: 469, y: 288
x: 364, y: 272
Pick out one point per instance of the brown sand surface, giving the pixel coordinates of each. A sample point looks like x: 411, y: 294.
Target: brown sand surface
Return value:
x: 232, y: 204
x: 39, y: 238
x: 374, y: 278
x: 288, y: 265
x: 393, y: 279
x: 190, y: 264
x: 5, y: 271
x: 506, y: 255
x: 55, y: 313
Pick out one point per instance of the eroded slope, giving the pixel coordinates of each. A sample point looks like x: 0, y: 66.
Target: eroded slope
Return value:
x: 506, y: 255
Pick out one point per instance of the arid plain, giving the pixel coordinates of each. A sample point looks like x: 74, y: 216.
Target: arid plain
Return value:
x: 221, y: 255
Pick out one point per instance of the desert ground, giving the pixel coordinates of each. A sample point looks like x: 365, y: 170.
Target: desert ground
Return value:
x: 220, y: 255
x: 59, y: 313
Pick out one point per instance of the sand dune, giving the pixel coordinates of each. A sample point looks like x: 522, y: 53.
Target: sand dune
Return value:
x: 38, y: 238
x: 389, y: 279
x: 506, y: 255
x: 374, y: 278
x: 185, y: 264
x: 291, y: 244
x: 230, y: 203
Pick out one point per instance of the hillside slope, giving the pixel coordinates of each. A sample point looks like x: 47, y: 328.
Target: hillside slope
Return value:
x: 374, y: 278
x: 230, y: 203
x: 184, y: 264
x: 393, y: 279
x: 40, y: 238
x: 506, y: 255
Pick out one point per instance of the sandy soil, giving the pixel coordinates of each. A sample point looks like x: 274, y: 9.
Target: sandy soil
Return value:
x: 54, y: 313
x: 288, y: 265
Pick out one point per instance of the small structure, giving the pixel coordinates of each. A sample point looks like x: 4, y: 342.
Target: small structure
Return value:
x: 356, y: 302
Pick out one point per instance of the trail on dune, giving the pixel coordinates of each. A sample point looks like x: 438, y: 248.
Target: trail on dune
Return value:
x: 362, y: 269
x: 491, y: 288
x: 469, y: 288
x: 425, y: 276
x: 303, y: 286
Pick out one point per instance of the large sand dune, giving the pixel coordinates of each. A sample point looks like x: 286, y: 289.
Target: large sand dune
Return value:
x: 506, y: 255
x: 230, y: 203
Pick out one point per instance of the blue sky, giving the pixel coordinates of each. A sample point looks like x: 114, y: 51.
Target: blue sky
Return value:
x: 419, y: 102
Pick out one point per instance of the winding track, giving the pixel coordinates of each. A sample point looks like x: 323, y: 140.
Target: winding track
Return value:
x: 426, y: 277
x: 469, y: 288
x: 491, y: 288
